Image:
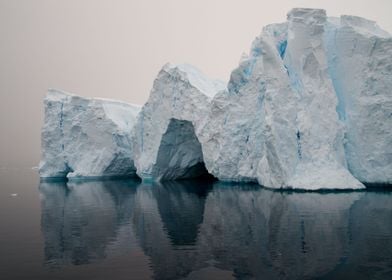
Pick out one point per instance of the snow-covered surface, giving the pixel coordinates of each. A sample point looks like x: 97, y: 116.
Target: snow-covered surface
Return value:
x: 197, y: 79
x: 84, y: 137
x: 309, y: 107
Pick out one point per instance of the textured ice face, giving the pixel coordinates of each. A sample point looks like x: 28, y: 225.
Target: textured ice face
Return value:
x: 319, y: 133
x: 360, y: 64
x: 250, y: 133
x: 277, y: 123
x: 84, y: 137
x: 166, y: 140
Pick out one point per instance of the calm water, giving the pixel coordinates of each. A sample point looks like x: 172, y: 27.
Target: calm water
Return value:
x: 193, y: 230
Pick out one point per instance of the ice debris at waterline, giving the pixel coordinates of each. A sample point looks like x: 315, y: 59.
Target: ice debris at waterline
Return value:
x: 309, y: 107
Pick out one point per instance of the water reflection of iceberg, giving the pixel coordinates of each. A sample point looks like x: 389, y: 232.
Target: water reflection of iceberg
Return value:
x: 167, y: 218
x: 193, y: 228
x: 83, y: 222
x: 254, y: 233
x: 370, y: 251
x: 260, y: 233
x: 181, y: 207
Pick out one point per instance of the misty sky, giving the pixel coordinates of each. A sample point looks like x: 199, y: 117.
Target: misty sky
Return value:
x: 115, y: 49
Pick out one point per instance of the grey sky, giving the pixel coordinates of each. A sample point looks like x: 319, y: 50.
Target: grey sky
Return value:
x: 115, y: 49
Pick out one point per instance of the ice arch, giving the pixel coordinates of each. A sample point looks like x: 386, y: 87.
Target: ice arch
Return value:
x: 167, y: 140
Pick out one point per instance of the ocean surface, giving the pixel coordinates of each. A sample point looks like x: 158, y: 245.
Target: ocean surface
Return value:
x: 126, y: 229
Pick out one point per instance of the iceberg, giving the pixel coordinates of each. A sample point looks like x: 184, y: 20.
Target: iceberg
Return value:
x: 86, y: 138
x: 166, y: 141
x: 308, y: 108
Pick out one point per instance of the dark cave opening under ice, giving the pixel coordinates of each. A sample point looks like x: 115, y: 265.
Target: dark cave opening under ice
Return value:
x: 180, y: 154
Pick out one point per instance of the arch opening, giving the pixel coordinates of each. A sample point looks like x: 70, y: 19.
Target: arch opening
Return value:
x: 180, y: 155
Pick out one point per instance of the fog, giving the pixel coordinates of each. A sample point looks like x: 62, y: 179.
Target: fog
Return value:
x: 115, y: 49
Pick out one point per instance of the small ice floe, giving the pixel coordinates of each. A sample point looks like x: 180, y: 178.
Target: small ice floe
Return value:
x: 14, y: 194
x: 34, y: 168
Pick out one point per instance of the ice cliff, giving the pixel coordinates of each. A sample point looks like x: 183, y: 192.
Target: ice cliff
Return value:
x: 309, y: 107
x: 85, y: 137
x: 279, y: 119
